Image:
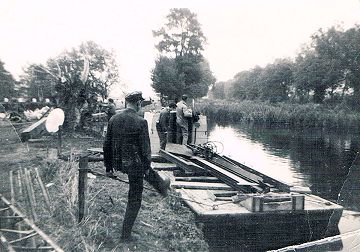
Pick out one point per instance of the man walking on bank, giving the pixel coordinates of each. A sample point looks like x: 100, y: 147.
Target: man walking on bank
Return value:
x: 127, y: 149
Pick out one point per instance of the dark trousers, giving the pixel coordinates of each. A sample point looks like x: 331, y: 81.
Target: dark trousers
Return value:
x: 162, y: 137
x: 182, y: 134
x: 134, y: 202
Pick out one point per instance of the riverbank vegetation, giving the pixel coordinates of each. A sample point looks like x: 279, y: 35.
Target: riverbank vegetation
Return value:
x: 280, y: 114
x: 326, y: 70
x: 320, y: 87
x: 163, y: 223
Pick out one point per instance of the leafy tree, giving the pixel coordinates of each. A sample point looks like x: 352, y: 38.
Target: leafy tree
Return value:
x: 351, y: 58
x: 276, y: 80
x: 7, y: 83
x: 83, y: 74
x: 218, y: 90
x: 38, y: 82
x: 329, y: 47
x: 181, y: 35
x: 165, y: 77
x: 247, y: 85
x: 78, y: 77
x: 315, y: 73
x: 181, y: 68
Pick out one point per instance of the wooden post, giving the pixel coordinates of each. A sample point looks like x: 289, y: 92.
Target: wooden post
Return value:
x: 19, y: 182
x: 59, y: 144
x: 82, y: 186
x: 12, y: 192
x: 43, y: 189
x: 30, y: 194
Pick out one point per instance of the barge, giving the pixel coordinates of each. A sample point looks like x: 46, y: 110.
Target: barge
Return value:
x: 241, y: 207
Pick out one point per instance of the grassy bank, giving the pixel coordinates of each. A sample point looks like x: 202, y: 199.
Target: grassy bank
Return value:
x: 281, y: 114
x: 163, y: 224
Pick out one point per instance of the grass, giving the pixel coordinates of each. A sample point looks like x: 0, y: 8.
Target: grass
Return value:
x: 163, y: 223
x: 280, y: 114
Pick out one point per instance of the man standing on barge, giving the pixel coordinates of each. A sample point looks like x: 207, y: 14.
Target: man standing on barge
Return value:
x: 183, y: 114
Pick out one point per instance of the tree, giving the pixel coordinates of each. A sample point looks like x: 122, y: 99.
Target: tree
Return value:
x: 83, y: 74
x: 247, y: 84
x: 38, y: 82
x: 351, y: 58
x: 165, y: 78
x: 181, y: 35
x: 7, y: 83
x: 181, y: 68
x: 276, y: 80
x: 218, y: 90
x: 329, y: 47
x: 78, y: 77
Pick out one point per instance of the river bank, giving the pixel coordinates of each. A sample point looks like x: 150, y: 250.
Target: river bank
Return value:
x: 163, y: 224
x: 280, y: 114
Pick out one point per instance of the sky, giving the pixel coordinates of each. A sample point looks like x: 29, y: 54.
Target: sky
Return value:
x: 240, y: 33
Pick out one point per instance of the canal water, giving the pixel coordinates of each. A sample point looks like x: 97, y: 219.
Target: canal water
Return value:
x: 324, y: 161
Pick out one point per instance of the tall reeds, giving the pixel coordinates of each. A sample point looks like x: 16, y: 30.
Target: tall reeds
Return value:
x: 279, y: 114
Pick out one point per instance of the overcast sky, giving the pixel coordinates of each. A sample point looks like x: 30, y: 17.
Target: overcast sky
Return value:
x: 240, y: 33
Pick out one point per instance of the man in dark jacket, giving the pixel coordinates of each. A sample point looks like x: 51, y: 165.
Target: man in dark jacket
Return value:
x: 127, y: 149
x: 162, y: 125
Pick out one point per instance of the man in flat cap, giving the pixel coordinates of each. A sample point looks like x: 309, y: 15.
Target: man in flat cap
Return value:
x: 127, y: 149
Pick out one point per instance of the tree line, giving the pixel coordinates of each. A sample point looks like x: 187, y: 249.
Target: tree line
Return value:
x: 326, y: 70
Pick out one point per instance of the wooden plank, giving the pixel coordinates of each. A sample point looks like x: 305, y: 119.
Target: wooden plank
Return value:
x: 199, y: 185
x: 182, y: 163
x: 163, y: 166
x: 42, y: 248
x: 266, y: 179
x: 30, y: 194
x: 217, y: 170
x: 43, y: 189
x: 33, y: 130
x: 198, y: 179
x: 32, y: 234
x: 16, y: 231
x: 179, y: 149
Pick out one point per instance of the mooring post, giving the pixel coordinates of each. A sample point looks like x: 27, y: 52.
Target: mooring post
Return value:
x: 82, y: 187
x: 59, y: 143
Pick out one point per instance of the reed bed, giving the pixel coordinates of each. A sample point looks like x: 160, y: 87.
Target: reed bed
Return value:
x: 279, y: 114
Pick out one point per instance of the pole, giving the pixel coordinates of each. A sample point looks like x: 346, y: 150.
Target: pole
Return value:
x: 59, y: 141
x: 82, y: 187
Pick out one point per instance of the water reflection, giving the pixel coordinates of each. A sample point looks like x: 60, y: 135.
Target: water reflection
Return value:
x: 308, y: 157
x: 325, y: 161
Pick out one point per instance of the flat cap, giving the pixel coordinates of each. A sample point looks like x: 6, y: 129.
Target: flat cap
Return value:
x: 134, y: 96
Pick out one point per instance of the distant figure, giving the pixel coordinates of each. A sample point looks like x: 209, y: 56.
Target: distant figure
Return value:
x: 162, y: 125
x: 111, y: 110
x: 183, y: 112
x: 127, y: 149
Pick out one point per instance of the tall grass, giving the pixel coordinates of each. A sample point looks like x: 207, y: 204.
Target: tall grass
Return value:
x: 164, y: 223
x: 280, y: 114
